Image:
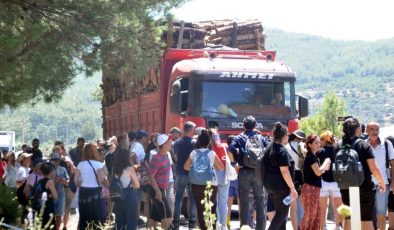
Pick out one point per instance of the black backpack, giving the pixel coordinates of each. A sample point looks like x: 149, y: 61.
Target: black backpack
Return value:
x: 35, y: 201
x: 347, y: 169
x: 253, y: 150
x: 116, y: 190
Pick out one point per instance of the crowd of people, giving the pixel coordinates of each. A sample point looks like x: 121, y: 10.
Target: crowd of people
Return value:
x: 164, y: 178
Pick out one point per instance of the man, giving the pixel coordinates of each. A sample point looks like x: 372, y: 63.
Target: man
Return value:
x: 352, y: 132
x: 182, y: 149
x: 176, y: 133
x: 62, y: 179
x: 246, y: 177
x: 76, y: 152
x: 35, y: 150
x: 379, y: 151
x: 24, y: 160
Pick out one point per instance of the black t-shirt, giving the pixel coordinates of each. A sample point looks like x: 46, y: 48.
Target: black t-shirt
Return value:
x: 309, y: 175
x: 277, y: 157
x: 327, y: 152
x: 365, y: 152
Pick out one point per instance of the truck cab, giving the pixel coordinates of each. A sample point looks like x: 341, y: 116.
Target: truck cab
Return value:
x: 219, y: 88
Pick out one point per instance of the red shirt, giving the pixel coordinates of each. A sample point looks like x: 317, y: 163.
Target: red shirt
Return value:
x: 221, y: 152
x: 3, y: 165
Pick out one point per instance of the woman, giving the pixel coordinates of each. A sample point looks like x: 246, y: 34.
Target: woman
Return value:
x: 90, y: 175
x: 310, y: 191
x: 297, y: 151
x: 49, y: 172
x: 196, y: 159
x: 159, y: 170
x: 352, y: 132
x: 10, y: 171
x: 223, y: 184
x: 279, y: 171
x: 126, y: 210
x: 329, y: 188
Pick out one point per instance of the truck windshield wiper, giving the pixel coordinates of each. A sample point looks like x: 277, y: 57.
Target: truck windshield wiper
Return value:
x: 225, y: 114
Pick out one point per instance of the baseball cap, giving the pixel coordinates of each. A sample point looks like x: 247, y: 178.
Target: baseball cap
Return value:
x: 300, y: 134
x: 162, y: 138
x: 55, y: 156
x: 23, y: 156
x: 327, y: 136
x: 141, y: 133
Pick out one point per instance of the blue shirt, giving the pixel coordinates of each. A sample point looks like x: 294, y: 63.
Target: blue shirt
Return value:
x: 239, y: 143
x: 182, y: 149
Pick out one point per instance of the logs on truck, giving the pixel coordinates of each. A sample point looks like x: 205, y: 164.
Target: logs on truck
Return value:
x: 243, y: 35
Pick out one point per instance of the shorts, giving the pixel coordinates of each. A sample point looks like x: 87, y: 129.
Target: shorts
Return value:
x: 233, y: 189
x: 390, y: 204
x: 59, y: 205
x: 368, y: 201
x: 381, y: 201
x: 159, y: 209
x: 328, y: 188
x: 68, y: 200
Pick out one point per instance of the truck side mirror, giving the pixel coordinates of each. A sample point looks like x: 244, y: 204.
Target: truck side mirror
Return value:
x: 183, y: 101
x: 302, y: 107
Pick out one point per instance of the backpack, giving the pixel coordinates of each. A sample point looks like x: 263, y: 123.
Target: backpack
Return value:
x: 116, y: 190
x: 35, y: 200
x: 20, y: 194
x: 254, y: 150
x: 201, y: 171
x: 347, y: 169
x: 143, y: 172
x: 262, y: 164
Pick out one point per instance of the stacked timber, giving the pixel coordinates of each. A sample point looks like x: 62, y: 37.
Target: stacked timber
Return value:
x: 243, y: 35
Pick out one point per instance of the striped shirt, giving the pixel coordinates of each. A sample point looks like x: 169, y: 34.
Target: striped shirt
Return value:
x: 160, y: 168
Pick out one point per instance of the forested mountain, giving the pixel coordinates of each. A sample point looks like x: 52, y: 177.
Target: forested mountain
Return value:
x: 360, y: 72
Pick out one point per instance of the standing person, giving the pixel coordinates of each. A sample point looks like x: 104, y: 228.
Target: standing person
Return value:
x: 126, y: 210
x: 76, y: 152
x: 48, y: 171
x: 182, y: 149
x: 69, y: 191
x: 90, y: 173
x: 223, y: 184
x: 390, y: 205
x: 246, y: 175
x: 3, y: 164
x: 352, y: 132
x: 279, y: 170
x: 35, y: 150
x: 297, y: 151
x: 196, y: 165
x: 159, y: 171
x: 24, y: 160
x: 329, y: 188
x: 310, y: 191
x: 61, y: 179
x: 233, y: 189
x: 10, y: 171
x: 379, y: 151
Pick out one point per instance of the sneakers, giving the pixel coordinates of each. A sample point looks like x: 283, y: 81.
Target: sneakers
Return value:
x: 140, y: 222
x: 192, y: 224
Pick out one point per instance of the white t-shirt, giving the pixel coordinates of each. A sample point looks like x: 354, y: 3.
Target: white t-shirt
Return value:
x: 211, y: 157
x: 22, y: 173
x: 10, y: 176
x: 380, y: 157
x: 87, y: 174
x: 293, y: 154
x: 139, y: 150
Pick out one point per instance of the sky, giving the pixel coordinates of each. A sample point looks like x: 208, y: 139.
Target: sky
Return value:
x: 336, y: 19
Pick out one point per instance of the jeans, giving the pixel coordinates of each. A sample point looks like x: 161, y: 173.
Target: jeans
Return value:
x: 247, y: 179
x: 222, y: 199
x: 181, y: 182
x: 281, y: 210
x: 126, y: 211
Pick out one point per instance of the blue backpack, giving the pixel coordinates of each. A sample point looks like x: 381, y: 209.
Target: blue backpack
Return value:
x: 201, y: 171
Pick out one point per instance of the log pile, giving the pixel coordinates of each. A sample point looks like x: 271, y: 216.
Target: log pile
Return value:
x: 244, y: 35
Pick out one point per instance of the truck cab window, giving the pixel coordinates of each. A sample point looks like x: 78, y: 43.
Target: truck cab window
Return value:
x: 179, y: 95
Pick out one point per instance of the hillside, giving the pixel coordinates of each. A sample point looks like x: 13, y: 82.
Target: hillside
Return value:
x: 360, y: 72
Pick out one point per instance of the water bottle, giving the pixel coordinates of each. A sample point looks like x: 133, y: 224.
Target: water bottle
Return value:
x: 287, y: 200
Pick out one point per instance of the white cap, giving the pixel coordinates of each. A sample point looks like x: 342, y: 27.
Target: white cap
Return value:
x: 162, y: 138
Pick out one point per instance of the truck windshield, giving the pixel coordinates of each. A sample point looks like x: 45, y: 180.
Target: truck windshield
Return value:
x: 238, y: 99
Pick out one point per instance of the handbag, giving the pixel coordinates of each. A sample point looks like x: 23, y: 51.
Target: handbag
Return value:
x: 230, y: 172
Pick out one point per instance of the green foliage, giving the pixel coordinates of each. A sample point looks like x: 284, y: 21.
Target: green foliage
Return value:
x: 45, y: 44
x: 360, y: 72
x: 9, y: 210
x: 76, y: 114
x: 326, y: 118
x: 209, y: 218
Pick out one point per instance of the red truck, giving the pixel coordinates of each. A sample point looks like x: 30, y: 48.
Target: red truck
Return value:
x: 213, y: 88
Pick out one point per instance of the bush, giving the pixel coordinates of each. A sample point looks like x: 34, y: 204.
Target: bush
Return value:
x: 9, y: 207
